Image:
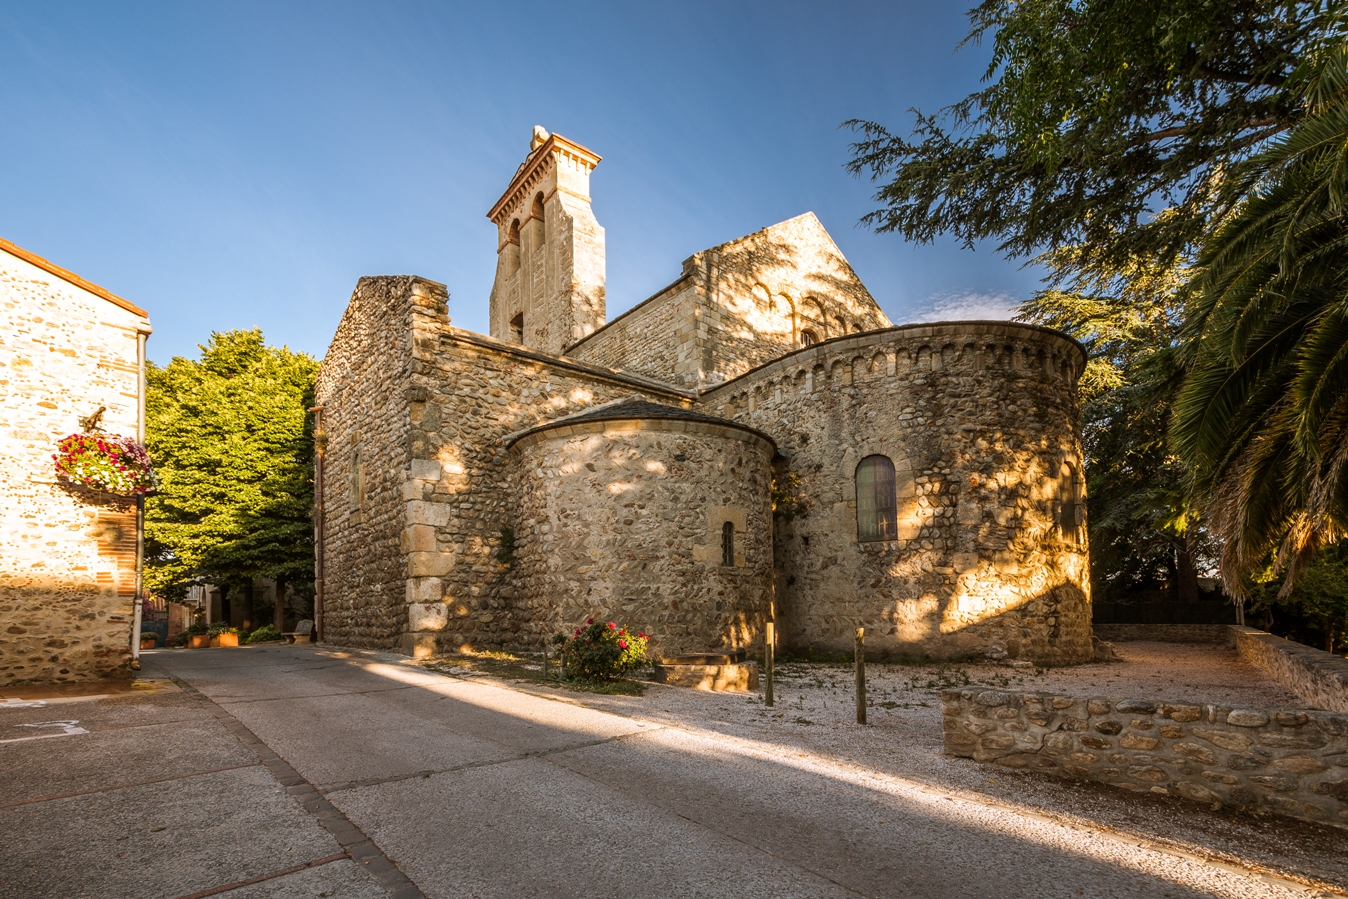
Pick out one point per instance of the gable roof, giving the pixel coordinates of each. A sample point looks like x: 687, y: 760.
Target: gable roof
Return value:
x: 638, y: 408
x: 70, y: 277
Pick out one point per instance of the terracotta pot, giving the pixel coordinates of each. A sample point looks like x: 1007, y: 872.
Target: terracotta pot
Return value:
x: 198, y: 641
x: 225, y: 640
x: 147, y: 644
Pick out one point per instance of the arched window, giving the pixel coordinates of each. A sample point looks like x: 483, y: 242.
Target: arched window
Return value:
x: 808, y: 338
x: 728, y: 543
x: 512, y: 248
x: 877, y: 504
x: 537, y: 213
x: 1070, y: 510
x: 517, y: 328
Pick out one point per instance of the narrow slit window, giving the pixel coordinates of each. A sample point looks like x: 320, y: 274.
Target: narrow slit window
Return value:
x: 877, y: 504
x: 728, y: 543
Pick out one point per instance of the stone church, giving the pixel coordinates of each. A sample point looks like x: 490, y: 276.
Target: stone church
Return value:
x: 755, y: 441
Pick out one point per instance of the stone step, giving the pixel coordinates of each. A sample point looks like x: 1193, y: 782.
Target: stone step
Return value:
x: 729, y: 677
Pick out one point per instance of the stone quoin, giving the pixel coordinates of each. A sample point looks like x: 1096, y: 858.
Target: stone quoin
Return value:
x: 757, y: 437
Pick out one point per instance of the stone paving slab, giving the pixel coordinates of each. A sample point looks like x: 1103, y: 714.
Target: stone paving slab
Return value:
x: 340, y: 880
x: 156, y: 840
x: 108, y: 757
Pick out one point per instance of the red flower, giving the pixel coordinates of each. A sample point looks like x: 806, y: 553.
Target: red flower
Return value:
x: 622, y: 644
x: 589, y: 621
x: 612, y: 626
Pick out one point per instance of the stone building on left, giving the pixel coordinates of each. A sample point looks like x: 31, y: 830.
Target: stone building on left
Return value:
x: 68, y: 348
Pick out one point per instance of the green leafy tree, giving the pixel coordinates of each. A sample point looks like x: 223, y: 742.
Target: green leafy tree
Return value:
x: 1143, y: 534
x: 1263, y: 414
x: 1097, y: 115
x: 232, y: 443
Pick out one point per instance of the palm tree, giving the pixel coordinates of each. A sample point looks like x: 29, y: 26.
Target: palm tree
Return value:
x: 1262, y: 416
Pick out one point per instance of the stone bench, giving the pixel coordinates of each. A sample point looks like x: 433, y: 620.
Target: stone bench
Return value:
x: 715, y: 671
x: 303, y: 632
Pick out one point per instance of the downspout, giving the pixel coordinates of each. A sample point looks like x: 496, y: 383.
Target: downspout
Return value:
x: 137, y: 604
x: 320, y: 448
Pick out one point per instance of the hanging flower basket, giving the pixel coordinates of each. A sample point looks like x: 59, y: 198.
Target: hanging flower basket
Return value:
x: 116, y: 465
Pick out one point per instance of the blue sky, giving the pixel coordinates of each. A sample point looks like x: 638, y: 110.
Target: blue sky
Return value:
x: 242, y: 164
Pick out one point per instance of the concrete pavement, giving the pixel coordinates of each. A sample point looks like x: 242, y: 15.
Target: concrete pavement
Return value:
x: 306, y: 771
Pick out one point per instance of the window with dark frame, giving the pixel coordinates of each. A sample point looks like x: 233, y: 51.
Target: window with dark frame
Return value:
x: 728, y: 543
x: 877, y: 503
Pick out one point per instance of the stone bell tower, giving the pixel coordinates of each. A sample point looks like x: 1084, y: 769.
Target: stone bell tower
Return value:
x: 549, y: 288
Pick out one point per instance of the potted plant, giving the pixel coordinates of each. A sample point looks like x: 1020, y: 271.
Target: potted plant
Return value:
x: 106, y: 464
x: 223, y: 635
x: 148, y: 639
x: 198, y: 637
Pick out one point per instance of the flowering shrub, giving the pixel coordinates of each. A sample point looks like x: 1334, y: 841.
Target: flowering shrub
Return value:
x: 602, y: 651
x: 116, y: 465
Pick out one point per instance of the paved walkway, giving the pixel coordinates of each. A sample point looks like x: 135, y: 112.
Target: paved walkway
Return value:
x: 300, y: 771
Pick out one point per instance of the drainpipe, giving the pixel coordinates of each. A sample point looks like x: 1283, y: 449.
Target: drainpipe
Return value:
x: 320, y: 448
x: 137, y: 603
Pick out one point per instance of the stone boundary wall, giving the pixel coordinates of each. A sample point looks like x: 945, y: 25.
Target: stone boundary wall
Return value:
x: 1164, y: 633
x: 1318, y: 677
x: 1287, y: 761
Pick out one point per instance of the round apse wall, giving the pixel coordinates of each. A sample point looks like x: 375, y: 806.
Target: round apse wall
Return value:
x: 661, y: 524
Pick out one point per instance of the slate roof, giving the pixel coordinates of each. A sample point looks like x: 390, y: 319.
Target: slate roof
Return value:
x: 643, y: 409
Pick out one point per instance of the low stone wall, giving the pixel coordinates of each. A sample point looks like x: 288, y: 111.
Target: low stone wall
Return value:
x: 1290, y: 762
x: 1318, y: 677
x: 1164, y: 633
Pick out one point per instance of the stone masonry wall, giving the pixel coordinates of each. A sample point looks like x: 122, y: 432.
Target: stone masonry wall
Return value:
x: 738, y: 306
x: 67, y: 563
x: 654, y: 339
x: 622, y: 520
x: 469, y: 394
x: 1164, y: 633
x: 1318, y: 677
x: 1292, y: 762
x: 364, y: 386
x: 979, y: 420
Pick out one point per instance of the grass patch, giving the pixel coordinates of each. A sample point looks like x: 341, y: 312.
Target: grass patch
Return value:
x: 526, y: 668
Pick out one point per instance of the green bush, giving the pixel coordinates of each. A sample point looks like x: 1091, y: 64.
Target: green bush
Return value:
x: 265, y: 634
x: 197, y: 629
x: 221, y: 627
x: 602, y: 651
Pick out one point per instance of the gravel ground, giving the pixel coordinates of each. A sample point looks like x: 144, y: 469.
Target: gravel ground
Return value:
x: 814, y: 718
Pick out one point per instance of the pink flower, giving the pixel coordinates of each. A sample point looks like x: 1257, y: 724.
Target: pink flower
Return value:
x: 589, y: 621
x: 622, y: 644
x: 612, y: 626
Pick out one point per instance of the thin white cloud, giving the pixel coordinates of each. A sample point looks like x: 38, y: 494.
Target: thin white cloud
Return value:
x: 947, y: 307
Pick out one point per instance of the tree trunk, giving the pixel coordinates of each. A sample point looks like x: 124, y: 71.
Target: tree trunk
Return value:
x: 248, y: 604
x: 279, y: 612
x: 1186, y: 573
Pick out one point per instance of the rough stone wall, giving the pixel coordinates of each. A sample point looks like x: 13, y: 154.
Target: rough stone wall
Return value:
x: 738, y: 306
x: 1288, y: 761
x: 1164, y: 633
x: 622, y: 521
x: 1318, y: 677
x: 364, y: 386
x: 67, y: 563
x: 655, y: 339
x: 767, y: 288
x: 978, y: 419
x: 469, y: 393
